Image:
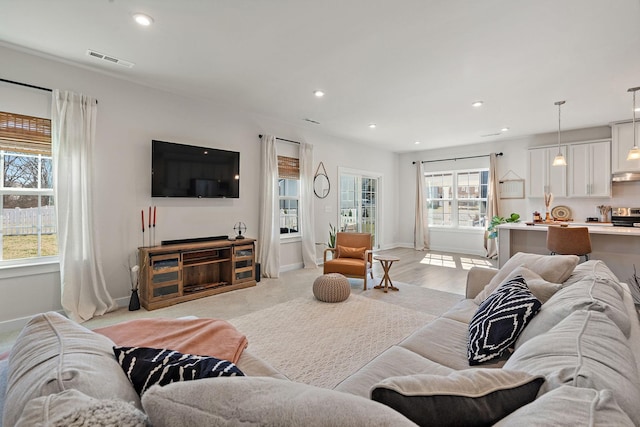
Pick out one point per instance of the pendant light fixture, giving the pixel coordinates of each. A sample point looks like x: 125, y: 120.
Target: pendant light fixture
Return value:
x: 634, y: 153
x: 559, y: 159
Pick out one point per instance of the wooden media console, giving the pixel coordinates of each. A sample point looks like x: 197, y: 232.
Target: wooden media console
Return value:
x: 171, y: 274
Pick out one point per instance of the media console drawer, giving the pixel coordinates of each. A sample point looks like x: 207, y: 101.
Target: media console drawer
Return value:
x: 175, y: 273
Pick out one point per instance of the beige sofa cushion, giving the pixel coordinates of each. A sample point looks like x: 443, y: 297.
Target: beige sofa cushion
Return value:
x: 53, y: 354
x: 552, y: 268
x: 444, y: 341
x: 590, y: 269
x: 569, y: 406
x: 584, y: 350
x: 395, y: 361
x: 590, y: 293
x: 73, y: 408
x: 462, y: 398
x: 261, y: 401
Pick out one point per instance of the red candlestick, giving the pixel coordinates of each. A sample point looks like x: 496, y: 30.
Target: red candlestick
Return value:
x: 154, y: 216
x: 142, y: 212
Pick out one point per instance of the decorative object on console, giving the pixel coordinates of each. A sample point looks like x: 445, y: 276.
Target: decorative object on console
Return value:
x: 634, y: 153
x: 559, y: 160
x: 240, y: 228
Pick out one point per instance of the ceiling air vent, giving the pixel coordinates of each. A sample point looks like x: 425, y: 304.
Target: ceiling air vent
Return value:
x: 312, y: 121
x: 490, y: 134
x: 109, y: 58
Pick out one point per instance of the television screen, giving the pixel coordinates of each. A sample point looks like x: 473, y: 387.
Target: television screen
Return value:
x: 179, y: 170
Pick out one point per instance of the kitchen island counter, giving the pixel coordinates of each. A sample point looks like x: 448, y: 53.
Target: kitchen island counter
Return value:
x: 618, y: 247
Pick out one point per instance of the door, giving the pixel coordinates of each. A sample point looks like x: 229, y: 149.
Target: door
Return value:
x: 358, y: 204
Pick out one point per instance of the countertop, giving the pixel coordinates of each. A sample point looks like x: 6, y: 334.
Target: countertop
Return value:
x: 594, y: 228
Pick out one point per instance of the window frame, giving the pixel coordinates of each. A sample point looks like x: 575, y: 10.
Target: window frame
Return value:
x: 455, y: 199
x: 30, y: 137
x: 283, y: 216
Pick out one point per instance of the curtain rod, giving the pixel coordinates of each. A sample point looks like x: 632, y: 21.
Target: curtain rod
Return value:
x: 46, y: 89
x: 27, y: 85
x: 282, y: 139
x: 457, y: 158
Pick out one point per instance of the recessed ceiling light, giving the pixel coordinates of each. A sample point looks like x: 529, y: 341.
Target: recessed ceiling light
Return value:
x: 504, y: 130
x: 638, y: 109
x: 318, y: 93
x: 477, y: 104
x: 142, y: 19
x: 417, y: 142
x: 372, y: 125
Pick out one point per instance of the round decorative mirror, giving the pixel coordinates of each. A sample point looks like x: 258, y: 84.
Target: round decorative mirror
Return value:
x: 321, y: 185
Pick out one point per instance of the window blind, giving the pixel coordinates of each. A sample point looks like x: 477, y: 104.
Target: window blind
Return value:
x: 25, y: 133
x: 288, y: 167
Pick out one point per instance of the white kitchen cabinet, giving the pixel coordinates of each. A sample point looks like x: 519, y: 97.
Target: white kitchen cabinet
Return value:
x: 621, y: 143
x: 589, y: 169
x: 543, y: 176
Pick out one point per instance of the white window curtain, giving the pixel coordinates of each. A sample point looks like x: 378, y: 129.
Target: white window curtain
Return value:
x: 306, y: 206
x: 421, y: 227
x: 269, y: 233
x: 493, y: 202
x: 73, y: 124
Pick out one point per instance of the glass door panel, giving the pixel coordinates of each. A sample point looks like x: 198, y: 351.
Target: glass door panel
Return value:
x: 359, y: 197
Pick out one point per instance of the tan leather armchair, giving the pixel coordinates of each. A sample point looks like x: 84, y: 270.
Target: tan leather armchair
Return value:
x: 352, y: 256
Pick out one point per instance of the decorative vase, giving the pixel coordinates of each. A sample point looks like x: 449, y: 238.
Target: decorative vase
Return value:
x: 134, y: 302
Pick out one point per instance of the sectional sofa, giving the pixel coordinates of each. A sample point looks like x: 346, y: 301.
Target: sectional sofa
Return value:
x: 573, y: 362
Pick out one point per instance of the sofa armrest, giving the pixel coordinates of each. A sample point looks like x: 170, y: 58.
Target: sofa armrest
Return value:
x: 477, y: 279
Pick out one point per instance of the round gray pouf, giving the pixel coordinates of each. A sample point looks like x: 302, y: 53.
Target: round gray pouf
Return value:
x: 332, y: 287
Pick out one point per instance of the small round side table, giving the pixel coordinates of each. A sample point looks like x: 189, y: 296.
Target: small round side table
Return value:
x: 386, y: 262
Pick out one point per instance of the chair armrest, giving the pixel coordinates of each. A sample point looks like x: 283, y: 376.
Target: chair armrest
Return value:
x: 477, y: 279
x: 332, y: 250
x: 368, y: 255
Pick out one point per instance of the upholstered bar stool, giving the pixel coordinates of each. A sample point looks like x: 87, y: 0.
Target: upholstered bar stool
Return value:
x: 569, y: 241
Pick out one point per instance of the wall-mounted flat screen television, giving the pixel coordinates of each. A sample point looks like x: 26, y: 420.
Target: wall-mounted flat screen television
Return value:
x: 179, y: 170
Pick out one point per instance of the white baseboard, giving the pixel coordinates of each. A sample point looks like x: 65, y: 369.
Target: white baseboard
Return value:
x: 17, y: 323
x: 291, y: 267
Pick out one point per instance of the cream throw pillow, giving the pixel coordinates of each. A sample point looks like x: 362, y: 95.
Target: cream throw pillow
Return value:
x: 552, y: 268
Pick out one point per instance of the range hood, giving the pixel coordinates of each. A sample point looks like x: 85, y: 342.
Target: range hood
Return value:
x: 625, y: 176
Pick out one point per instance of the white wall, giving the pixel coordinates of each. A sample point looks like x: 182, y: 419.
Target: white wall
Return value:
x: 129, y: 117
x: 515, y: 160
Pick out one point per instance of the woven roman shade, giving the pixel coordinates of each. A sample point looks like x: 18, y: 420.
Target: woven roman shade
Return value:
x: 288, y: 167
x: 25, y: 133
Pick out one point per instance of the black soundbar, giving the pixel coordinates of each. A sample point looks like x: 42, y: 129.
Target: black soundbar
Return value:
x: 194, y: 240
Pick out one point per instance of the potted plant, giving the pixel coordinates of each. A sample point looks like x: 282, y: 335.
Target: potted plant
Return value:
x: 497, y: 220
x: 332, y: 236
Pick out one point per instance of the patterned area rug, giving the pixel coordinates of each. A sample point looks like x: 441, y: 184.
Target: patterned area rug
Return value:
x: 321, y: 343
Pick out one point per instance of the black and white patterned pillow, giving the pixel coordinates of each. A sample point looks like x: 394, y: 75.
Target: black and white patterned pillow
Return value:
x: 500, y: 319
x: 146, y: 366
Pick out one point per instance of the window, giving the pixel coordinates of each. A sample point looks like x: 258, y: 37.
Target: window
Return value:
x: 457, y: 198
x: 289, y: 195
x: 28, y: 227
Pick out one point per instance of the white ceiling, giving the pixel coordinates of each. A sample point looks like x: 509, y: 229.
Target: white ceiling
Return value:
x: 413, y: 67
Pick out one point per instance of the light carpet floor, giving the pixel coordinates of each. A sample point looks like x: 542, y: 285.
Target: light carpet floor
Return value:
x: 322, y: 343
